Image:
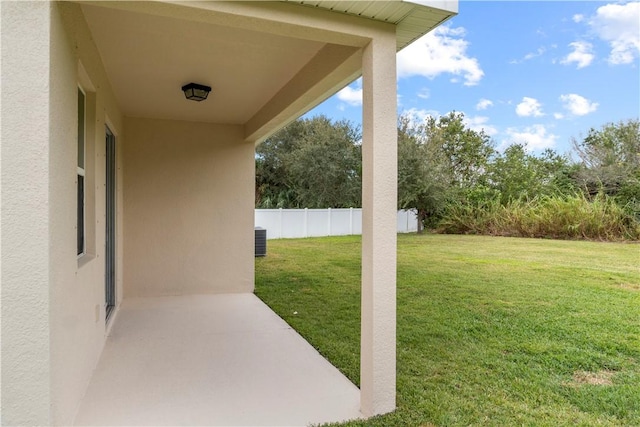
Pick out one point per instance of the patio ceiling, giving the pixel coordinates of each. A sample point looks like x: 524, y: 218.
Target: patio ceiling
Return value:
x: 267, y: 62
x: 149, y: 57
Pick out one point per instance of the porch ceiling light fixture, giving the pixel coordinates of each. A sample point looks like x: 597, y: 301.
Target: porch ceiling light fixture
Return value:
x: 196, y: 92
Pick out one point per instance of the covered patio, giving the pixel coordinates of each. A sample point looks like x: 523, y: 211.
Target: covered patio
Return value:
x: 214, y: 360
x: 131, y: 212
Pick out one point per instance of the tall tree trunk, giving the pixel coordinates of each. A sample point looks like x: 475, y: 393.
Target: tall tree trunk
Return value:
x: 421, y: 217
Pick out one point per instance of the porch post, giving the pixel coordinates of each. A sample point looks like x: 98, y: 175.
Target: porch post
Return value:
x: 379, y: 207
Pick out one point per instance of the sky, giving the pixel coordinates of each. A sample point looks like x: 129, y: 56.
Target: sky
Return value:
x: 532, y: 72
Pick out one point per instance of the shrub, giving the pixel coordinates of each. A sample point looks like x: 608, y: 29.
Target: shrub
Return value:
x: 557, y: 217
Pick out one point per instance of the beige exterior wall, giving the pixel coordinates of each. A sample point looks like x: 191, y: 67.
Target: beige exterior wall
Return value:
x: 188, y: 208
x: 78, y: 327
x: 26, y: 371
x: 53, y: 310
x: 53, y: 314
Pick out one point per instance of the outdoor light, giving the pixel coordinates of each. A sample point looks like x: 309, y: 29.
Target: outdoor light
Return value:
x: 196, y: 92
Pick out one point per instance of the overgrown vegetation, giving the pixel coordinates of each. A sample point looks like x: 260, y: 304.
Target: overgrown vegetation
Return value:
x: 458, y: 182
x: 491, y: 331
x: 555, y: 217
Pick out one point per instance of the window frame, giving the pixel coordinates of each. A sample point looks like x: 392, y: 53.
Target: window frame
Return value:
x: 81, y: 147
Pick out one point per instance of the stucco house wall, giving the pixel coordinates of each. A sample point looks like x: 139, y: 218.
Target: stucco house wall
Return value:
x: 25, y: 225
x: 53, y: 315
x: 77, y: 321
x: 181, y: 188
x: 188, y: 208
x: 178, y: 198
x: 77, y: 324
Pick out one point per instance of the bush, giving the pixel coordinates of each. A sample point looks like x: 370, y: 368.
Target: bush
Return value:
x: 556, y: 217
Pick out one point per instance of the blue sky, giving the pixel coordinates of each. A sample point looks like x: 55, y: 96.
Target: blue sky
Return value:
x: 538, y: 72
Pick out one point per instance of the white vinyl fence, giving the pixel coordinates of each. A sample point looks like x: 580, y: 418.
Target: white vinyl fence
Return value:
x: 290, y: 223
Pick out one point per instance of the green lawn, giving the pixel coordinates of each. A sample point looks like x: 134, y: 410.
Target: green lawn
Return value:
x: 491, y: 331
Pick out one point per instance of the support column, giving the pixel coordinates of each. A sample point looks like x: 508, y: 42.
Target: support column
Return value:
x: 379, y: 207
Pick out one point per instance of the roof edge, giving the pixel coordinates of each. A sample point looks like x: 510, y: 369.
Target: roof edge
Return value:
x: 448, y: 5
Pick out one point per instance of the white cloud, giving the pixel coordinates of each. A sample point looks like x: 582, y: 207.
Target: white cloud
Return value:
x: 577, y: 18
x: 558, y: 116
x: 534, y: 137
x: 529, y: 107
x: 483, y: 104
x: 443, y: 50
x: 582, y: 54
x: 479, y: 123
x: 578, y: 105
x: 619, y: 24
x: 351, y: 96
x: 530, y: 55
x: 424, y: 93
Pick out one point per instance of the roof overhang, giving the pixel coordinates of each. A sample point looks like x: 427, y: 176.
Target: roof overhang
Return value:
x: 412, y: 18
x: 267, y: 62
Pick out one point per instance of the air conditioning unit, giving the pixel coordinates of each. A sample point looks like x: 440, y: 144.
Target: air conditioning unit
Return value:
x: 260, y: 241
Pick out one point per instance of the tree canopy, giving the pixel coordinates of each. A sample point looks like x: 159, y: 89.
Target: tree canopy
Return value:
x: 312, y: 163
x: 610, y: 162
x: 439, y: 161
x: 444, y: 166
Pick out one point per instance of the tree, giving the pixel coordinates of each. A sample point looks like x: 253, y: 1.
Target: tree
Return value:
x: 610, y: 162
x: 440, y: 161
x: 312, y: 163
x: 517, y: 174
x: 326, y: 167
x: 422, y: 180
x: 273, y: 188
x: 465, y: 151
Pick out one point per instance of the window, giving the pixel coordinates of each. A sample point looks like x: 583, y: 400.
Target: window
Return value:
x: 81, y: 172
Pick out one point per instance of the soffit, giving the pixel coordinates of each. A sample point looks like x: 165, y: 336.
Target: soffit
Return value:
x: 149, y: 57
x: 413, y: 19
x: 248, y: 52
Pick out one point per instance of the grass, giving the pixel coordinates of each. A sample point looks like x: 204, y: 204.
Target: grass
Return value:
x: 491, y: 330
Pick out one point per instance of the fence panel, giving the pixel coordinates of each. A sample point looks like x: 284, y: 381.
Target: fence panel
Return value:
x: 317, y: 222
x: 270, y: 220
x: 407, y: 221
x: 292, y: 223
x: 340, y: 222
x: 357, y: 221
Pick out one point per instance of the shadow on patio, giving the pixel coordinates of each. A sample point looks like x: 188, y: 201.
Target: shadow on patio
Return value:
x: 212, y: 360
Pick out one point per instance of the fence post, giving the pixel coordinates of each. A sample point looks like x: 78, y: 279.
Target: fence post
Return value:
x: 406, y: 221
x: 329, y: 222
x: 350, y: 220
x: 306, y: 222
x: 280, y: 221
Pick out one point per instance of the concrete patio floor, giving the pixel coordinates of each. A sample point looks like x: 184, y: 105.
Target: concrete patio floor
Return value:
x: 215, y: 360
